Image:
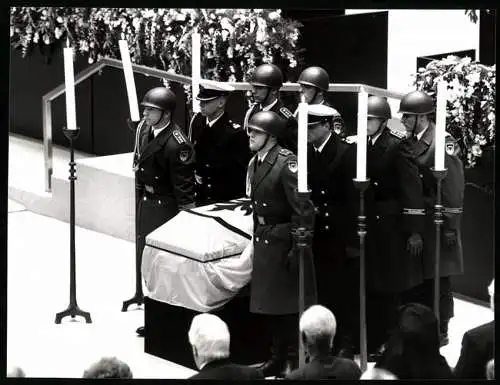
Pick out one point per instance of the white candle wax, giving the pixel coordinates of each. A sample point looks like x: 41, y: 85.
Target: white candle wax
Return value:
x: 440, y: 127
x: 69, y: 82
x: 196, y: 69
x: 302, y: 147
x: 129, y: 81
x: 362, y: 133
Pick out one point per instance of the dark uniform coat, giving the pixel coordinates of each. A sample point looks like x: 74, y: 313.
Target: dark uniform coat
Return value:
x: 327, y: 368
x: 290, y: 140
x: 164, y: 177
x: 272, y: 190
x: 226, y: 370
x: 222, y: 156
x: 421, y: 152
x: 389, y: 267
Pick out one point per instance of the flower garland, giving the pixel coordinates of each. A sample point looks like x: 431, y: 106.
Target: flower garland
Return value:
x: 233, y: 41
x: 471, y: 112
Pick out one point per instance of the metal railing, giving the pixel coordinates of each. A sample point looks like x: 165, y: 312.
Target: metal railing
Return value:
x: 161, y: 74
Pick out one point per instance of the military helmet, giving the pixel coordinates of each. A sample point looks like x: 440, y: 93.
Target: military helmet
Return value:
x: 378, y: 108
x: 416, y: 102
x: 268, y: 75
x: 269, y: 122
x: 161, y: 98
x: 315, y: 77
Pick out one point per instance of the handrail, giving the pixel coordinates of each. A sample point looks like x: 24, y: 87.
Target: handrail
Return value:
x: 148, y: 71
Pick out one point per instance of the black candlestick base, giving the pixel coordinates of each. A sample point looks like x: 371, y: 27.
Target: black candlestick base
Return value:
x: 73, y: 310
x: 362, y: 186
x: 438, y: 221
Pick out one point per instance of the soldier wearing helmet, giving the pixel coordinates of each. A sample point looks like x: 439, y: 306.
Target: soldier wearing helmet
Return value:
x: 163, y: 165
x: 417, y: 109
x: 390, y: 268
x: 266, y: 83
x: 274, y: 289
x: 314, y: 82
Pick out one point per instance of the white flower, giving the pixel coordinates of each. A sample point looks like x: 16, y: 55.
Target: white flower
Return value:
x: 274, y: 15
x: 491, y: 116
x: 211, y: 31
x: 11, y: 31
x: 57, y: 32
x: 473, y: 77
x: 91, y: 60
x: 171, y: 38
x: 36, y: 37
x: 258, y: 11
x: 230, y: 52
x: 46, y: 39
x: 237, y: 47
x: 180, y: 17
x: 59, y: 19
x: 226, y: 24
x: 476, y: 150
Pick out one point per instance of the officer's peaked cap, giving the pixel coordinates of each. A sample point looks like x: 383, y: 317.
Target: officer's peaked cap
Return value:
x: 318, y: 113
x: 210, y: 90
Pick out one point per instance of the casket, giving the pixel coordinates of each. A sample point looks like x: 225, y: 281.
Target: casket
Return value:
x: 197, y: 260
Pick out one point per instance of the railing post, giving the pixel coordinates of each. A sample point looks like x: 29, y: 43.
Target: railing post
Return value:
x: 47, y: 142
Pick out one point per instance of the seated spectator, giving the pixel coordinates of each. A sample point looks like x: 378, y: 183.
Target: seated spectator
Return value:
x: 209, y: 339
x: 377, y: 374
x: 412, y: 351
x: 108, y: 367
x: 477, y: 347
x: 317, y: 329
x: 15, y: 371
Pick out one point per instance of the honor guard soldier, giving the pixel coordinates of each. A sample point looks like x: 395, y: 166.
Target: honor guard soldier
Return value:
x: 417, y: 109
x: 331, y: 166
x: 314, y: 82
x: 390, y: 268
x: 221, y: 148
x: 164, y: 165
x: 266, y: 83
x: 274, y: 288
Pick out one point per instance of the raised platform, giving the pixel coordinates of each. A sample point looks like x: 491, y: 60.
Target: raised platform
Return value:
x: 104, y: 189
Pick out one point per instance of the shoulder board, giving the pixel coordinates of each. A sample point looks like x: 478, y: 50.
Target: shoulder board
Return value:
x: 397, y: 134
x: 286, y: 112
x: 351, y: 139
x: 285, y: 152
x: 178, y: 136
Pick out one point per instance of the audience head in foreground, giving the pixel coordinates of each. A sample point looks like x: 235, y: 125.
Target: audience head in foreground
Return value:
x: 209, y: 338
x: 15, y: 371
x: 412, y: 351
x: 317, y: 329
x: 377, y: 374
x: 490, y: 369
x: 108, y: 367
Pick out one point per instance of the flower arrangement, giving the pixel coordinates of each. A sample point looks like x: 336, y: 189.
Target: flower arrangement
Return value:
x: 471, y: 112
x: 234, y: 41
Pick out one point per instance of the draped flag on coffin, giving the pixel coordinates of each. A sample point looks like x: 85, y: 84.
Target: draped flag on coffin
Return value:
x: 199, y: 259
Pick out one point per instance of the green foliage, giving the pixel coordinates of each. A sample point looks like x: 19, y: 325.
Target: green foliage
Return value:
x: 234, y: 41
x: 470, y: 112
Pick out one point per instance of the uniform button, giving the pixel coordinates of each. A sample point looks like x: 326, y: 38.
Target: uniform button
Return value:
x: 327, y: 227
x: 325, y: 204
x: 207, y: 165
x: 209, y: 185
x: 266, y: 241
x: 420, y: 175
x: 375, y: 183
x: 377, y: 217
x: 159, y: 202
x: 322, y: 192
x: 142, y: 169
x: 327, y: 215
x: 144, y: 199
x: 255, y: 202
x: 256, y: 239
x: 264, y: 204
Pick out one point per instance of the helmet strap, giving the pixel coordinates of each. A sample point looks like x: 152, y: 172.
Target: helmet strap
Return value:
x: 380, y: 128
x: 265, y: 142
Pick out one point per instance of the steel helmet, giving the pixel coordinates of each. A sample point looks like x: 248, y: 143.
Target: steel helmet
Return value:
x: 161, y: 98
x: 315, y: 77
x: 268, y: 75
x: 415, y: 103
x: 378, y: 108
x: 268, y: 122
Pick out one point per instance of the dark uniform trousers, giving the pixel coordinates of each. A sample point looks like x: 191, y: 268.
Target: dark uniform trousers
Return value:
x: 451, y: 258
x: 337, y: 275
x: 274, y: 291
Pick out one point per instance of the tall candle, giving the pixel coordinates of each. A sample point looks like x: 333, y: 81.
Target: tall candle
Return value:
x: 69, y: 82
x: 302, y: 147
x: 196, y: 68
x: 440, y: 126
x: 129, y: 80
x: 362, y: 133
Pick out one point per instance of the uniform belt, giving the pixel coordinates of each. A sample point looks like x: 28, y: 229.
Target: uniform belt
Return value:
x: 157, y: 197
x: 269, y: 221
x: 387, y: 207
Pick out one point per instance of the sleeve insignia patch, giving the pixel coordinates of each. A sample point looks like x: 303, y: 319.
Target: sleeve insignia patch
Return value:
x: 450, y: 148
x: 292, y: 166
x: 183, y: 155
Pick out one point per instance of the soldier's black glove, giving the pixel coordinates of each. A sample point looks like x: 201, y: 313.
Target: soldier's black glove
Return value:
x: 132, y: 125
x: 292, y: 259
x: 450, y: 237
x: 414, y: 245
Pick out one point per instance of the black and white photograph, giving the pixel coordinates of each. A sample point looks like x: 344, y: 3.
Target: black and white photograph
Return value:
x: 251, y: 194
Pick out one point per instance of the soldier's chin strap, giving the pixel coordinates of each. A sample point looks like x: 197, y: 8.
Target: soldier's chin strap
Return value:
x: 159, y: 120
x: 380, y: 128
x: 265, y: 143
